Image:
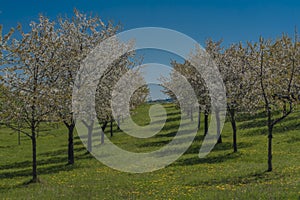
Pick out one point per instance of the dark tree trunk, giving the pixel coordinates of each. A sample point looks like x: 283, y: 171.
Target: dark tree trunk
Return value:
x: 199, y: 119
x: 234, y: 130
x: 34, y: 124
x: 118, y: 123
x: 111, y: 128
x: 70, y: 128
x: 191, y: 114
x: 34, y: 164
x: 284, y: 109
x: 102, y: 132
x: 270, y: 137
x: 71, y: 144
x: 234, y: 138
x: 220, y: 140
x: 90, y: 128
x: 218, y: 126
x: 205, y: 123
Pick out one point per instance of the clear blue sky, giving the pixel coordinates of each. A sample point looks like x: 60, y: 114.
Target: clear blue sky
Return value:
x: 231, y: 20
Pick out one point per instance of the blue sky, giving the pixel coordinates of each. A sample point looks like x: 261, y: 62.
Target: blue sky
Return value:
x: 230, y: 20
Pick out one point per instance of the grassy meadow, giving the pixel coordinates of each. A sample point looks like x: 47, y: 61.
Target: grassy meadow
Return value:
x: 221, y: 175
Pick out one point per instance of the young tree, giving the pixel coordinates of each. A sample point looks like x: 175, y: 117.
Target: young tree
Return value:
x: 199, y: 87
x: 78, y: 35
x: 197, y: 83
x: 274, y: 65
x: 29, y: 79
x: 107, y: 85
x: 212, y: 93
x: 234, y: 70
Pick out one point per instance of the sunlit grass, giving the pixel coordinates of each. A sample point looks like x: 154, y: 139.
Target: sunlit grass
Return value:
x: 221, y: 175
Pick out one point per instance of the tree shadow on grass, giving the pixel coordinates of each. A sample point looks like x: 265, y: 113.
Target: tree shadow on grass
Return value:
x: 290, y: 123
x: 53, y: 168
x: 255, y: 123
x: 40, y: 162
x: 53, y: 153
x: 60, y: 152
x: 77, y: 141
x: 194, y: 149
x: 174, y: 113
x: 46, y: 166
x: 167, y: 130
x: 161, y: 142
x: 260, y: 131
x: 55, y: 157
x: 154, y: 144
x: 293, y: 139
x: 247, y: 179
x: 283, y: 128
x: 242, y: 117
x: 7, y: 146
x: 286, y: 125
x: 208, y: 160
x: 27, y: 173
x: 76, y: 138
x: 263, y: 122
x: 173, y: 118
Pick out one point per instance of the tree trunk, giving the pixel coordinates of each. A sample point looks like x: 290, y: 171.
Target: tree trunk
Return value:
x: 284, y: 109
x: 220, y: 140
x: 111, y: 128
x: 218, y: 127
x: 90, y: 134
x: 234, y: 137
x: 70, y: 128
x: 102, y: 132
x: 205, y: 123
x: 118, y: 123
x: 90, y: 128
x: 199, y: 119
x: 34, y: 164
x: 233, y: 125
x: 71, y: 144
x: 191, y: 114
x: 270, y: 136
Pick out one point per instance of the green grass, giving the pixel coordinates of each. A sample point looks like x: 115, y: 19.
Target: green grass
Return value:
x: 221, y: 175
